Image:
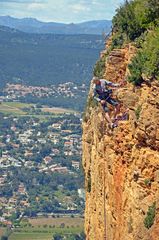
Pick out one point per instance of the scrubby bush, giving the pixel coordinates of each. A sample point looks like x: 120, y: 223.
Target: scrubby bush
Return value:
x: 135, y: 17
x: 149, y: 220
x: 147, y: 182
x: 152, y: 11
x: 126, y: 22
x: 91, y: 103
x: 138, y: 111
x: 146, y: 61
x: 136, y: 69
x: 117, y: 41
x: 151, y: 52
x: 89, y: 182
x: 99, y: 67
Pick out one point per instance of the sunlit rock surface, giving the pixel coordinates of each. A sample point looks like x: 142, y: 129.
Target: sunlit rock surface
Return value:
x: 122, y: 166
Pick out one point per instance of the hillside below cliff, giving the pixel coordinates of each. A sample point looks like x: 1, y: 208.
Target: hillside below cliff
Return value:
x: 122, y: 165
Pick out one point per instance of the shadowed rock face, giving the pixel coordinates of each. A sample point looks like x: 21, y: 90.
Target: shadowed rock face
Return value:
x: 122, y: 166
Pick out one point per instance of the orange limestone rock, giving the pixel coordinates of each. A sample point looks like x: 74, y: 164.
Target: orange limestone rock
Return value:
x: 122, y: 166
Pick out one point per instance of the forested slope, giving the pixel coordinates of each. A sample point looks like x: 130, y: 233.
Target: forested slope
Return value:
x: 42, y: 59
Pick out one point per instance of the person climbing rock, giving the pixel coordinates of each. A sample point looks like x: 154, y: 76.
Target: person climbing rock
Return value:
x: 102, y: 93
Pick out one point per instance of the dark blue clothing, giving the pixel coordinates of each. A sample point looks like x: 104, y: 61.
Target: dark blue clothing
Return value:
x: 101, y: 92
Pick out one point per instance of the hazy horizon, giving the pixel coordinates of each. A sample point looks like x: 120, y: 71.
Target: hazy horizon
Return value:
x: 63, y: 11
x: 20, y: 18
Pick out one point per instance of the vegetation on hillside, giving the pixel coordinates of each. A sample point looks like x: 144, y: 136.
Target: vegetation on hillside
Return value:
x: 43, y: 59
x: 135, y: 17
x: 146, y: 62
x: 138, y: 21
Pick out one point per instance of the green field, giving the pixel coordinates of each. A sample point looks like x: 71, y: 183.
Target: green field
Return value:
x: 8, y: 109
x: 17, y: 104
x: 14, y: 108
x: 57, y: 110
x: 45, y: 228
x: 42, y: 233
x: 68, y: 221
x: 17, y: 109
x: 31, y: 236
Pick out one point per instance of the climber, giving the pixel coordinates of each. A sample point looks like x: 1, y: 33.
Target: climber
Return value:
x: 102, y: 94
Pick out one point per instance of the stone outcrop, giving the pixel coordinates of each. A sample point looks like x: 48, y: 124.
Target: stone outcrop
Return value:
x: 122, y: 166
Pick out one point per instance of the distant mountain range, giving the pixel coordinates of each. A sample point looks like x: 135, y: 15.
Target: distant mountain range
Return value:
x: 32, y: 25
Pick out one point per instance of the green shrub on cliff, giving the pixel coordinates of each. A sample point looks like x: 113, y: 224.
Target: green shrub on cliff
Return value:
x: 147, y: 182
x: 135, y: 17
x: 136, y: 68
x: 138, y: 112
x: 137, y: 21
x: 151, y: 52
x: 91, y: 103
x: 152, y: 11
x: 146, y: 61
x: 89, y: 182
x: 149, y: 220
x: 117, y: 41
x: 126, y: 22
x: 99, y: 67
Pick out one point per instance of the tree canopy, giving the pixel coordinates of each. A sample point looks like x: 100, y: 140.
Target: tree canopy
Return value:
x: 137, y: 21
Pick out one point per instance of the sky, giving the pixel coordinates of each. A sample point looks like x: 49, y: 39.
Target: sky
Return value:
x: 65, y: 11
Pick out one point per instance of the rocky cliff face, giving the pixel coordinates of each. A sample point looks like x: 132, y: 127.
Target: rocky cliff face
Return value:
x: 122, y: 166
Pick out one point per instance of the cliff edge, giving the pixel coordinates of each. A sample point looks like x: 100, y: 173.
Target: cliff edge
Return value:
x: 122, y: 165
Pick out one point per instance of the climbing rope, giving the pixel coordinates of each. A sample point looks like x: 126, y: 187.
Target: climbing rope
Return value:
x: 123, y: 117
x: 105, y: 214
x: 104, y: 192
